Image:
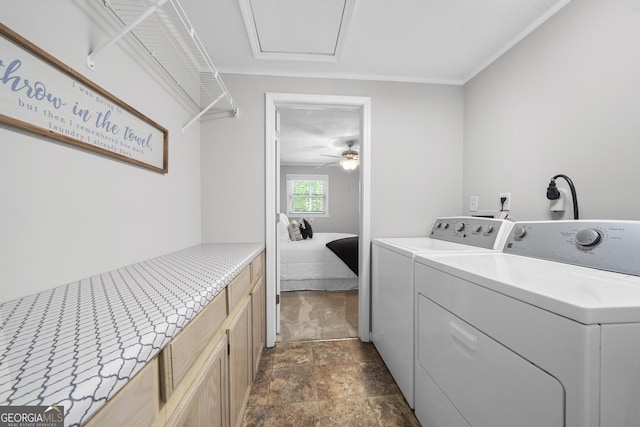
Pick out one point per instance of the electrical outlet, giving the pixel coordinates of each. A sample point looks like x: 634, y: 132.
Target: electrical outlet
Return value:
x: 473, y: 204
x: 506, y: 206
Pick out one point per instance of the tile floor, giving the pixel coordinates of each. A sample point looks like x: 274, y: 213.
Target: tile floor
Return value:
x: 325, y: 383
x: 315, y: 315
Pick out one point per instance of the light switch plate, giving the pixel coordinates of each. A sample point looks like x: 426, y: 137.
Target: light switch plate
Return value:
x: 473, y: 204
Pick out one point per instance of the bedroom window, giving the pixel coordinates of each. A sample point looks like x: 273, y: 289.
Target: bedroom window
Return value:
x: 308, y: 195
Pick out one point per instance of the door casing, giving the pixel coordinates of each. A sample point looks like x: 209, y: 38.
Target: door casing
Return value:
x: 272, y: 102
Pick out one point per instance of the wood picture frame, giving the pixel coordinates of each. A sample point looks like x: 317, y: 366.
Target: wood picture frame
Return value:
x: 40, y: 94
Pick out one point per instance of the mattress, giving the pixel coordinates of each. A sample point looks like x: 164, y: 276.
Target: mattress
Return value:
x: 310, y: 259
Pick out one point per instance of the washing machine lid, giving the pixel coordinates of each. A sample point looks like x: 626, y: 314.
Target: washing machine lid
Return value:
x: 586, y: 295
x: 410, y: 246
x: 453, y: 234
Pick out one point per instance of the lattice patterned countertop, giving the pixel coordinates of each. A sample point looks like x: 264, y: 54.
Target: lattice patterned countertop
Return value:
x: 77, y: 345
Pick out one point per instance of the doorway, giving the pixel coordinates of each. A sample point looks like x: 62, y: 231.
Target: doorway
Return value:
x: 275, y: 101
x: 319, y: 188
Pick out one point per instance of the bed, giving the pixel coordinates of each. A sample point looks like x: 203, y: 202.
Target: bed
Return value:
x: 309, y: 264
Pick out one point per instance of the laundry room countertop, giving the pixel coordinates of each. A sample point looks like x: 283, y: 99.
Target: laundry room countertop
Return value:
x: 76, y: 345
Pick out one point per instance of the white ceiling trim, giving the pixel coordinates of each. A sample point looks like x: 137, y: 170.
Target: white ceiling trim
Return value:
x: 344, y: 76
x: 548, y: 14
x: 252, y: 33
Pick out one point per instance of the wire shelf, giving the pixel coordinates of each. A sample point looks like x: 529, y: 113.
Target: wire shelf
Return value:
x: 164, y: 31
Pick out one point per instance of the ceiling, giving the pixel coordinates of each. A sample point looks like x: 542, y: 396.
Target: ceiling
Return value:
x: 425, y: 41
x: 431, y: 41
x: 309, y: 135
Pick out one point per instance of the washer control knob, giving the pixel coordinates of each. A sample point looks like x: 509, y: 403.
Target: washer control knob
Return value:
x: 519, y: 232
x: 446, y: 225
x: 459, y: 226
x: 477, y: 228
x: 439, y: 225
x: 588, y: 237
x: 489, y: 228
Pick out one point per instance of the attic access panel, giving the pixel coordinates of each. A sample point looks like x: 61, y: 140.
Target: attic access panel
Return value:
x: 297, y: 29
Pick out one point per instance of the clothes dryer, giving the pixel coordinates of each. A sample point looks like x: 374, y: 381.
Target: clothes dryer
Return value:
x: 392, y: 304
x: 545, y: 333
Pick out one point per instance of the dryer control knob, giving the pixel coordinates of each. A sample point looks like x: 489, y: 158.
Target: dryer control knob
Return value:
x: 438, y: 225
x: 477, y: 228
x: 459, y: 226
x: 446, y: 225
x: 489, y: 228
x: 519, y: 232
x: 588, y: 237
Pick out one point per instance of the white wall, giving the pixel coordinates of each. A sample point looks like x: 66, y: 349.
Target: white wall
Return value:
x: 565, y: 100
x: 67, y: 213
x: 343, y: 198
x: 416, y: 151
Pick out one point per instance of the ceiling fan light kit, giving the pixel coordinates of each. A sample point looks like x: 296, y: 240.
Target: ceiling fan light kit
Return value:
x: 350, y: 158
x: 349, y: 164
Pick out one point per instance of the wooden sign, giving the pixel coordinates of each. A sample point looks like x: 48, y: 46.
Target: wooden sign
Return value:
x: 42, y: 95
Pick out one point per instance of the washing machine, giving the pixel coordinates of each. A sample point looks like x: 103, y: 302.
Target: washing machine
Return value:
x: 392, y: 288
x: 544, y: 333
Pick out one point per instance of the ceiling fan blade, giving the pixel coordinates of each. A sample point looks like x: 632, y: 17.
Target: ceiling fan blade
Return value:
x: 329, y: 155
x: 327, y: 164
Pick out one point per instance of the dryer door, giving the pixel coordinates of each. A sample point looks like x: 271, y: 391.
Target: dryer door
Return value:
x: 489, y: 385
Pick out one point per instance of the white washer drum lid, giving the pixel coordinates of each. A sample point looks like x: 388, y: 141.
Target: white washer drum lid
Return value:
x: 586, y: 295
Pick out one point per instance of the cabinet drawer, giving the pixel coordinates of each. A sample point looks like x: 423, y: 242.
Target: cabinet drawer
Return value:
x: 256, y: 267
x: 178, y: 357
x: 136, y: 404
x: 238, y: 287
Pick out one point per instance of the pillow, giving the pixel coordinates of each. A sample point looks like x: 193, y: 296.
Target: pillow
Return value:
x: 294, y: 231
x: 284, y: 220
x: 283, y: 232
x: 305, y: 229
x: 283, y: 228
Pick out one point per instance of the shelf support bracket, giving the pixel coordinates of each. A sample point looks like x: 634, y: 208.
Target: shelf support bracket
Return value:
x: 208, y: 107
x: 92, y: 55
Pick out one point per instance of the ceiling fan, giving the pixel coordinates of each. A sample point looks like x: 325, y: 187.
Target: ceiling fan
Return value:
x: 349, y: 159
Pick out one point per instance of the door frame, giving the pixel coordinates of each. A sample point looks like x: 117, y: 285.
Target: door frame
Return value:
x: 272, y: 102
